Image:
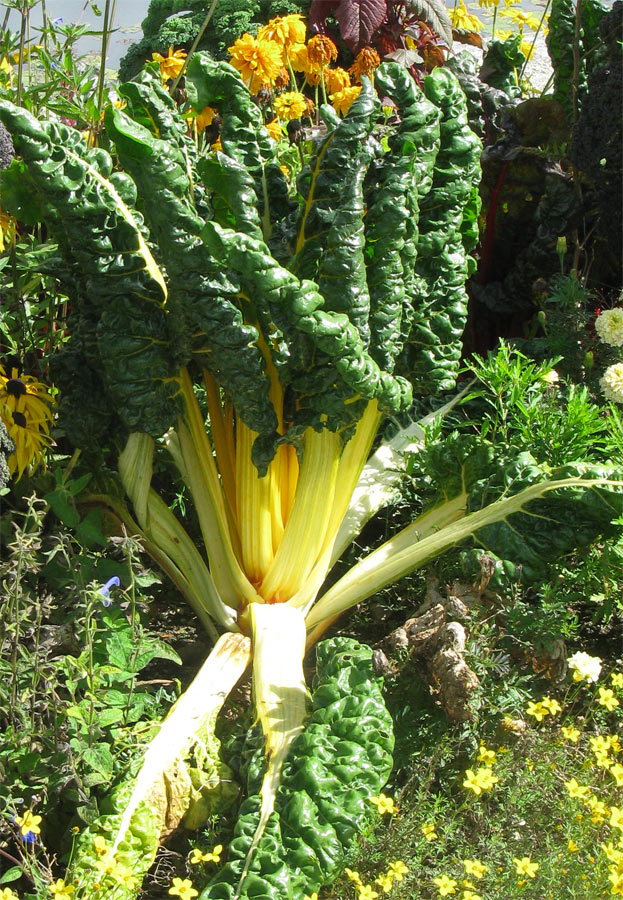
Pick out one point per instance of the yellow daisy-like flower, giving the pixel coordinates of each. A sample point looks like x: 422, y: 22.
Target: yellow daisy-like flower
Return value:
x: 428, y: 830
x: 445, y: 885
x: 576, y: 790
x: 321, y: 50
x: 60, y: 890
x: 606, y: 698
x: 367, y: 892
x: 354, y: 876
x: 570, y: 733
x: 598, y: 809
x: 291, y: 105
x: 617, y: 679
x: 344, y: 99
x: 475, y: 867
x: 386, y: 882
x: 28, y: 823
x: 170, y: 65
x: 463, y: 20
x: 100, y: 845
x: 527, y: 48
x: 284, y: 30
x: 525, y: 866
x: 25, y: 410
x: 183, y: 888
x: 521, y: 19
x: 397, y: 869
x: 487, y: 4
x: 275, y: 130
x: 366, y: 62
x: 552, y: 706
x: 470, y: 895
x: 7, y: 894
x: 616, y: 771
x: 616, y: 817
x: 486, y: 756
x: 384, y: 804
x: 259, y: 62
x: 313, y: 896
x: 336, y: 80
x: 8, y: 230
x: 537, y: 710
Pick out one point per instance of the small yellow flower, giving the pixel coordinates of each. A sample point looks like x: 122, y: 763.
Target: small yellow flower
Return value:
x: 367, y: 892
x: 7, y: 894
x: 445, y: 885
x: 428, y: 830
x: 170, y: 65
x: 574, y: 789
x: 616, y: 817
x: 475, y: 867
x: 183, y: 888
x: 204, y: 118
x: 521, y: 19
x: 616, y: 770
x: 354, y: 877
x: 612, y: 853
x: 552, y: 706
x: 274, y: 129
x: 617, y: 679
x: 463, y: 20
x: 570, y: 733
x: 60, y: 890
x: 344, y: 99
x: 606, y: 698
x: 28, y: 823
x: 397, y: 869
x: 100, y: 845
x: 384, y: 804
x: 486, y: 756
x: 313, y: 896
x: 525, y: 867
x: 537, y: 710
x: 386, y: 882
x: 572, y: 847
x: 470, y: 895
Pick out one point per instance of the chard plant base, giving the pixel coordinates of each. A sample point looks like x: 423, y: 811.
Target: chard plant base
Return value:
x: 306, y: 317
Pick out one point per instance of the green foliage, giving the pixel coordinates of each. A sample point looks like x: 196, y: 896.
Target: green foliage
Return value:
x: 341, y: 759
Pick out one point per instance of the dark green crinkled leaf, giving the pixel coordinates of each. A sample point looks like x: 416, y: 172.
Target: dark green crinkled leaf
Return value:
x: 341, y: 759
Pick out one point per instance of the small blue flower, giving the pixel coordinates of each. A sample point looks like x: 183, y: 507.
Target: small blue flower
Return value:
x: 105, y: 590
x: 58, y: 20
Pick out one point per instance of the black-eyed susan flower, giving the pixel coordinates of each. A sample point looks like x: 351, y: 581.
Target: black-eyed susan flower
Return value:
x: 25, y: 410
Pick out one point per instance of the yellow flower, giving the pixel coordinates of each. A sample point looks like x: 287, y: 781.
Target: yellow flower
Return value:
x: 284, y: 30
x: 616, y: 817
x: 602, y: 759
x: 617, y: 881
x: 321, y: 50
x: 291, y: 105
x: 481, y: 780
x: 475, y: 867
x: 366, y: 892
x: 527, y: 48
x: 614, y: 855
x: 259, y: 62
x: 552, y: 706
x: 572, y: 847
x: 197, y: 856
x: 616, y: 771
x: 606, y: 698
x: 521, y: 18
x: 366, y: 62
x: 485, y: 755
x: 488, y: 3
x: 429, y: 832
x: 123, y: 875
x: 344, y: 99
x: 616, y: 677
x: 170, y: 65
x: 314, y: 896
x: 574, y: 789
x: 537, y: 710
x: 525, y: 867
x: 204, y: 118
x: 274, y: 129
x: 384, y: 804
x: 354, y: 876
x: 8, y: 230
x: 445, y: 885
x: 397, y: 869
x: 385, y: 881
x: 28, y: 823
x: 570, y: 733
x: 183, y: 888
x: 336, y: 80
x: 7, y: 894
x: 5, y: 66
x: 100, y: 845
x: 24, y: 409
x: 60, y: 890
x: 470, y: 895
x: 463, y: 20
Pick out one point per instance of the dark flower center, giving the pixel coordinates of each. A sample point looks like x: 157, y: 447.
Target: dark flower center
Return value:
x: 19, y: 419
x: 16, y: 387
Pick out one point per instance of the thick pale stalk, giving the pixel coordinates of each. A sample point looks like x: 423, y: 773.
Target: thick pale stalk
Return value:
x: 306, y: 528
x: 406, y: 552
x: 253, y: 505
x: 224, y: 459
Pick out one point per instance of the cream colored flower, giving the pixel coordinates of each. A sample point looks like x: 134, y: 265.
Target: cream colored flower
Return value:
x: 585, y: 667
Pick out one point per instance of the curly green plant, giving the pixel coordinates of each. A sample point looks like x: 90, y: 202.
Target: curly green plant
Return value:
x: 201, y: 291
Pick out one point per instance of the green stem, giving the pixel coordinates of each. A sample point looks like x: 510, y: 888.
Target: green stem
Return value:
x: 108, y: 18
x: 194, y: 46
x: 536, y: 34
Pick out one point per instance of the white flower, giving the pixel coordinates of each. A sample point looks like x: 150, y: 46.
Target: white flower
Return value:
x: 612, y: 383
x: 584, y: 667
x: 551, y: 377
x: 609, y: 326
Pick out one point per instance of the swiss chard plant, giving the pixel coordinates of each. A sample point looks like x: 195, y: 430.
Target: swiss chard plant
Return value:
x: 258, y: 337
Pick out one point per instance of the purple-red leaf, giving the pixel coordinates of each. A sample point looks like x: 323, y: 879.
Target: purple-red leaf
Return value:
x: 358, y: 19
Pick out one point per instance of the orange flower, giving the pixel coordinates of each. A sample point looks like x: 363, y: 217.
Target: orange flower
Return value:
x: 366, y: 61
x: 291, y: 105
x: 259, y: 62
x: 321, y: 50
x: 170, y: 65
x: 336, y: 80
x: 284, y: 30
x: 344, y: 99
x: 204, y: 118
x: 274, y: 130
